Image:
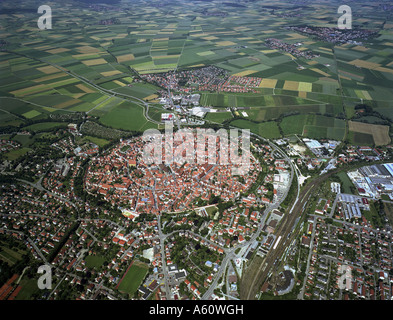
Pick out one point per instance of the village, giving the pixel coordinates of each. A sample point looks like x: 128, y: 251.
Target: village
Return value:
x: 208, y: 79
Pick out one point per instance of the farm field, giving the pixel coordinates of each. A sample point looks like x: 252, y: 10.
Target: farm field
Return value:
x: 218, y: 117
x: 379, y: 133
x: 269, y: 130
x: 127, y: 116
x: 69, y: 71
x: 247, y: 100
x: 10, y: 256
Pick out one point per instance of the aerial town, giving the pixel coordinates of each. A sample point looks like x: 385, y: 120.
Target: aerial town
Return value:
x: 195, y: 151
x: 175, y: 224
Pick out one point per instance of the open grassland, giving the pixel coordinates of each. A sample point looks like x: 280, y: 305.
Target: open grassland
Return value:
x: 268, y: 130
x: 218, y: 117
x: 127, y: 116
x: 56, y: 72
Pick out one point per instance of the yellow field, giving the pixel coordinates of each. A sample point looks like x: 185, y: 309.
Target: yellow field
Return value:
x: 128, y: 79
x: 197, y: 34
x: 296, y: 36
x: 268, y: 51
x: 383, y: 69
x: 62, y: 83
x: 244, y: 73
x: 29, y: 90
x: 48, y: 69
x: 209, y: 38
x: 87, y: 49
x: 119, y: 83
x: 31, y: 114
x: 343, y: 77
x: 305, y: 86
x: 125, y: 57
x: 94, y: 62
x: 225, y: 43
x: 66, y: 104
x: 364, y: 64
x: 43, y: 47
x: 360, y: 48
x: 302, y: 94
x: 84, y: 88
x: 151, y: 97
x: 82, y: 56
x: 363, y: 94
x: 110, y: 73
x: 58, y: 50
x: 291, y: 85
x: 320, y: 72
x: 268, y: 83
x: 166, y: 56
x: 205, y: 53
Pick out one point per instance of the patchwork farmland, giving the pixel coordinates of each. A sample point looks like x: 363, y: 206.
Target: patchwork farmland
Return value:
x: 66, y: 71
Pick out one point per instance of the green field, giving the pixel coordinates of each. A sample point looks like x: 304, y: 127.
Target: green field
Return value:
x: 218, y: 117
x: 127, y: 116
x: 11, y: 256
x: 360, y: 138
x: 133, y: 278
x: 314, y: 126
x: 45, y: 126
x: 94, y: 261
x: 269, y: 130
x: 346, y: 183
x: 16, y: 153
x: 29, y: 287
x: 242, y: 100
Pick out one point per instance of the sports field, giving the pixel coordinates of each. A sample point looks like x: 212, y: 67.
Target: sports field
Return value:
x: 133, y: 277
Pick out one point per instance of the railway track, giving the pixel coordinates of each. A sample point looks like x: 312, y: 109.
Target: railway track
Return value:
x: 284, y: 233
